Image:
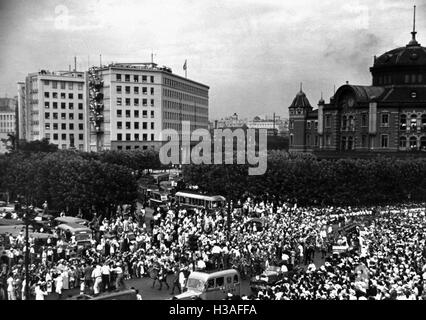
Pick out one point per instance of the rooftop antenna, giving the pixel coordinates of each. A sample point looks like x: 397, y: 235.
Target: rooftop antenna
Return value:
x: 413, y: 41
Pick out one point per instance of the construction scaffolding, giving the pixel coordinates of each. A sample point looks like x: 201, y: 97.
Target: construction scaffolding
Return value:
x: 96, y: 106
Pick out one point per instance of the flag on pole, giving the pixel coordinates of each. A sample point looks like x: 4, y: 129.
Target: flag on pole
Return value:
x: 185, y: 67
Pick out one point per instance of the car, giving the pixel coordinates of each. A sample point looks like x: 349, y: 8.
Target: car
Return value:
x: 270, y: 277
x: 341, y: 247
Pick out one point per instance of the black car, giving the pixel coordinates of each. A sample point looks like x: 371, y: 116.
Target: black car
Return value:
x: 270, y: 277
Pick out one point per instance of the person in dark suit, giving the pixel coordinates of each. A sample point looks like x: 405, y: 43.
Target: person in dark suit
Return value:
x: 175, y: 281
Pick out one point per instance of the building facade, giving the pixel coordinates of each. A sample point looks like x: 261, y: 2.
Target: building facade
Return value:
x: 7, y: 121
x: 131, y: 103
x: 387, y: 116
x: 53, y: 105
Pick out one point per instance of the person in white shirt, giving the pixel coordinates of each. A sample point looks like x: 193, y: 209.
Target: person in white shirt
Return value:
x: 10, y: 288
x: 39, y: 294
x: 105, y: 277
x: 97, y: 279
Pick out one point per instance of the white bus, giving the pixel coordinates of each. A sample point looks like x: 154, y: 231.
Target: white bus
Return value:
x: 196, y: 200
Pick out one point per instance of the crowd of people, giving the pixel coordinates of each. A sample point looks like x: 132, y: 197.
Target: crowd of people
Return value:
x: 388, y: 264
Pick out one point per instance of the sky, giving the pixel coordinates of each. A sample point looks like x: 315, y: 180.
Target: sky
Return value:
x: 252, y: 54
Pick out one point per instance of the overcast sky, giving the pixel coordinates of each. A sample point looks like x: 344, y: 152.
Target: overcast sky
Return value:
x: 252, y: 54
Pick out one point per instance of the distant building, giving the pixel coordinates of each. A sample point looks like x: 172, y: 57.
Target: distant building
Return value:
x: 387, y: 116
x: 229, y: 122
x: 53, y: 105
x: 7, y: 120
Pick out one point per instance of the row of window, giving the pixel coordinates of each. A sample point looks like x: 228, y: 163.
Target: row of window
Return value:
x: 127, y: 77
x: 184, y: 107
x: 64, y: 136
x: 63, y: 105
x: 183, y: 96
x: 128, y: 125
x: 127, y: 90
x: 55, y: 116
x: 7, y: 124
x: 136, y: 137
x: 63, y: 95
x: 136, y: 101
x: 7, y: 117
x: 184, y: 87
x: 64, y: 126
x: 136, y: 147
x: 183, y: 117
x: 408, y: 78
x: 63, y: 84
x: 136, y: 113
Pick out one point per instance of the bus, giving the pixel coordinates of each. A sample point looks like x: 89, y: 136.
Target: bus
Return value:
x: 201, y: 201
x: 82, y: 234
x: 157, y: 198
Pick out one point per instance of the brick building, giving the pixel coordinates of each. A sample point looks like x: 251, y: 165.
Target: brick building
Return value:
x: 387, y: 116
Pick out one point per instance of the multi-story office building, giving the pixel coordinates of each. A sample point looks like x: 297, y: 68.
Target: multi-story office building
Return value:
x: 131, y: 103
x: 7, y: 120
x: 53, y: 105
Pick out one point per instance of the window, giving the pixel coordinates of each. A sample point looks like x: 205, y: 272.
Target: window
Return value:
x: 144, y: 102
x: 364, y: 120
x: 136, y: 78
x: 55, y: 126
x: 128, y: 147
x: 55, y: 116
x: 119, y: 148
x: 80, y: 126
x: 136, y: 102
x: 46, y: 105
x: 143, y: 78
x: 152, y: 79
x: 152, y: 102
x: 55, y: 105
x: 344, y: 123
x: 47, y: 126
x: 144, y: 125
x: 144, y: 137
x: 119, y: 137
x: 351, y: 123
x: 136, y: 125
x: 152, y: 90
x: 80, y: 106
x: 70, y: 86
x: 55, y: 136
x: 63, y: 95
x: 328, y: 140
x: 291, y: 124
x: 413, y: 122
x: 71, y: 96
x: 144, y: 90
x: 63, y: 126
x: 402, y: 142
x: 152, y: 137
x: 236, y: 278
x: 80, y: 116
x: 137, y: 136
x: 62, y: 85
x: 413, y: 143
x: 119, y: 125
x: 55, y: 95
x: 127, y: 113
x: 118, y: 77
x: 63, y: 105
x: 119, y: 114
x: 127, y: 77
x: 46, y: 94
x: 71, y: 126
x: 128, y: 125
x: 385, y: 141
x: 136, y: 90
x: 119, y: 101
x: 71, y: 106
x: 127, y: 89
x: 80, y: 86
x: 316, y: 125
x: 127, y: 101
x: 327, y: 121
x: 128, y: 137
x: 54, y: 85
x: 80, y: 96
x: 364, y: 141
x: 47, y: 115
x: 152, y: 114
x: 385, y: 120
x: 152, y: 125
x: 63, y: 116
x: 136, y: 113
x: 118, y: 89
x: 220, y: 282
x: 144, y: 114
x: 403, y: 122
x: 64, y: 146
x: 308, y: 125
x: 64, y: 136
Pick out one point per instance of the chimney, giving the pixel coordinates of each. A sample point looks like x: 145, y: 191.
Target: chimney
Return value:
x: 75, y: 63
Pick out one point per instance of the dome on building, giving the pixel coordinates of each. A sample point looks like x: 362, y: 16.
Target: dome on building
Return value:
x: 410, y: 55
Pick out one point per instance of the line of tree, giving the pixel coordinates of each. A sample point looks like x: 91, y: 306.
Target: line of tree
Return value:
x: 305, y: 180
